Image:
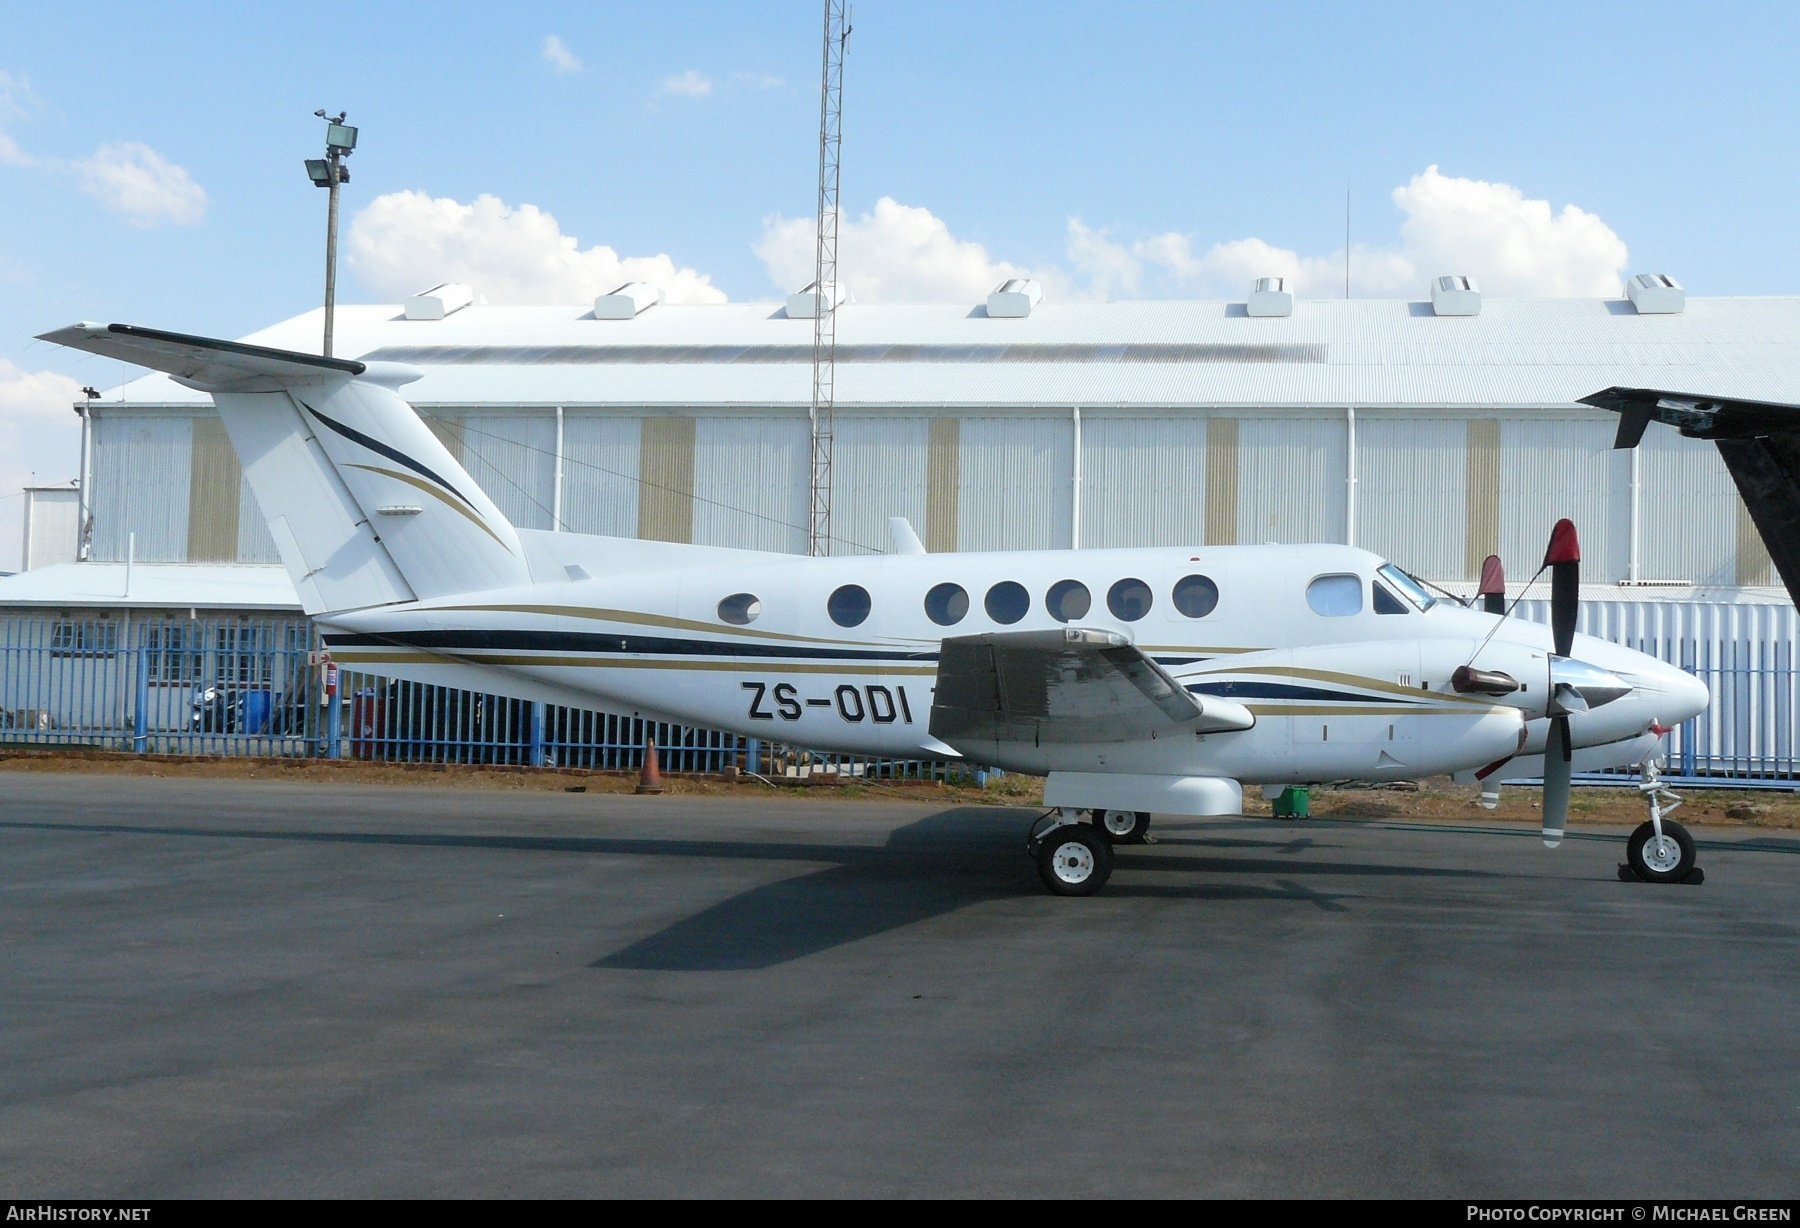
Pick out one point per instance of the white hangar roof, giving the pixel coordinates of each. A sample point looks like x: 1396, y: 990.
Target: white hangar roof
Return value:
x: 1330, y: 353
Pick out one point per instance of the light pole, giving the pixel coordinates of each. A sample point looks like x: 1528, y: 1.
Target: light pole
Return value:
x: 328, y: 172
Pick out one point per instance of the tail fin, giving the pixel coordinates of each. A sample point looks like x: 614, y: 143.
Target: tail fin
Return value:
x: 365, y: 505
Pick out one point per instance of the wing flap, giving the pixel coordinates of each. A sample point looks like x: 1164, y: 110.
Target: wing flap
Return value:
x: 1067, y: 685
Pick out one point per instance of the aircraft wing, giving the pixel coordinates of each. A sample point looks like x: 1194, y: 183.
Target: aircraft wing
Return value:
x: 1759, y: 442
x: 1066, y: 685
x: 202, y: 362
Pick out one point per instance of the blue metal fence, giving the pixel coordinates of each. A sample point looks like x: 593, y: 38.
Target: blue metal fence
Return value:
x: 257, y: 686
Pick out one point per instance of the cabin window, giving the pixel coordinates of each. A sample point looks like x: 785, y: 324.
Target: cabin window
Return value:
x: 1386, y: 602
x: 740, y: 609
x: 947, y: 604
x: 1335, y: 596
x: 1007, y: 602
x: 1068, y: 600
x: 1129, y: 600
x: 849, y: 605
x: 1195, y: 596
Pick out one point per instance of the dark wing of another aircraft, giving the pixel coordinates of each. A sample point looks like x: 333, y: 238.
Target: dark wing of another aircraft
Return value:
x: 1066, y: 685
x: 1759, y: 441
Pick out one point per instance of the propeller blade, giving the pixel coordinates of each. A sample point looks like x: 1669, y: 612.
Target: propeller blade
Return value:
x: 1563, y: 558
x: 1557, y: 768
x: 1492, y: 589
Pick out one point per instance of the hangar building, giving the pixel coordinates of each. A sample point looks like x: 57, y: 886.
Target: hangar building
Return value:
x: 1434, y: 440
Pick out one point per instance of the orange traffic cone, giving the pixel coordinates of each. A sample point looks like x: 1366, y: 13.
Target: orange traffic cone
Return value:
x: 650, y: 779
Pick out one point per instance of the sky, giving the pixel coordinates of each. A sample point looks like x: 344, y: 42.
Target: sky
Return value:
x: 151, y: 158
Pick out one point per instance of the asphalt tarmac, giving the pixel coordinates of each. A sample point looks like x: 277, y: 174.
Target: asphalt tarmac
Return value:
x: 232, y: 988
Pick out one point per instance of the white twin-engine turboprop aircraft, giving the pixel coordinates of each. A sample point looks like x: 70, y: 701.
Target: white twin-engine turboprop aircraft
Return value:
x: 1137, y: 681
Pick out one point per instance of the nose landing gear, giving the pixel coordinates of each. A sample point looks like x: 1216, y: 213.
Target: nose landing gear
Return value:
x: 1661, y: 850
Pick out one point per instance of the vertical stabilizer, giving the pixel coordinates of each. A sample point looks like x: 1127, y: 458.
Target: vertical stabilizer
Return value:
x: 366, y: 506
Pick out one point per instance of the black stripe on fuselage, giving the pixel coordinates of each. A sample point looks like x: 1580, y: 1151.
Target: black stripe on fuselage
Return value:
x: 477, y: 640
x: 381, y: 449
x: 1287, y: 690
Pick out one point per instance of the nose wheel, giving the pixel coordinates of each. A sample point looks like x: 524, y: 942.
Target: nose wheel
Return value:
x: 1661, y: 850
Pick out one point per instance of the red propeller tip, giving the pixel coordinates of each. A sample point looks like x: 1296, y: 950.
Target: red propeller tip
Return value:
x: 1564, y: 546
x: 1493, y: 576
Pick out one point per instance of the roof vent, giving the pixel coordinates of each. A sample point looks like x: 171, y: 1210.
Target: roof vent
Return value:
x: 1014, y: 298
x: 1656, y: 294
x: 804, y: 303
x: 1455, y: 296
x: 1270, y: 296
x: 627, y: 301
x: 439, y: 301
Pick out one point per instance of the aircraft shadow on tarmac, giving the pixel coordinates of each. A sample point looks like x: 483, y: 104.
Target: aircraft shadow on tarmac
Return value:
x: 942, y: 863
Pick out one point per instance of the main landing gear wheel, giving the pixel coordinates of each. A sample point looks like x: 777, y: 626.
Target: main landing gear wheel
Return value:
x: 1668, y: 858
x: 1074, y: 859
x: 1124, y: 826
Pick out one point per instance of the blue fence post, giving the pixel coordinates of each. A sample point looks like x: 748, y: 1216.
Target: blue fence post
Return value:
x: 537, y: 733
x: 140, y: 719
x: 334, y: 714
x: 753, y: 756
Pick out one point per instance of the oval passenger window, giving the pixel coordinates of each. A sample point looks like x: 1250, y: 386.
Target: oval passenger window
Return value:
x: 849, y: 605
x: 1335, y: 596
x: 946, y: 604
x: 1068, y: 600
x: 1129, y: 600
x: 740, y: 609
x: 1195, y: 596
x: 1007, y: 602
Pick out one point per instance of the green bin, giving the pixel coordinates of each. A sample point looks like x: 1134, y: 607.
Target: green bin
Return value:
x: 1293, y: 803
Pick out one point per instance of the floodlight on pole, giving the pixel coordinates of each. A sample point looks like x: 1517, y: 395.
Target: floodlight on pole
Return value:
x: 328, y: 172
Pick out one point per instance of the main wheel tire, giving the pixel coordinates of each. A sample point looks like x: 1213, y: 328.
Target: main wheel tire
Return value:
x: 1123, y: 826
x: 1074, y: 860
x: 1667, y: 860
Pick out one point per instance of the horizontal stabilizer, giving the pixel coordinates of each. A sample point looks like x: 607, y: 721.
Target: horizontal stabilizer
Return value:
x: 205, y: 363
x: 1694, y: 415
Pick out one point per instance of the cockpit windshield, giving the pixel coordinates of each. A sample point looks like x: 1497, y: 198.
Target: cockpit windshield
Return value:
x: 1407, y: 587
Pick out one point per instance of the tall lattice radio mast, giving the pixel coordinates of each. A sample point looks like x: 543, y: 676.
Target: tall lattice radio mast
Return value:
x: 825, y: 273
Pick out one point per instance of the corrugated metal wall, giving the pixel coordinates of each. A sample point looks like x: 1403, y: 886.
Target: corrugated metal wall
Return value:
x: 1412, y: 491
x: 1291, y: 479
x: 1556, y: 467
x: 878, y: 468
x: 750, y: 482
x: 1014, y: 488
x: 142, y: 466
x: 1143, y: 481
x: 600, y: 474
x: 1435, y: 491
x: 513, y: 457
x: 1688, y: 510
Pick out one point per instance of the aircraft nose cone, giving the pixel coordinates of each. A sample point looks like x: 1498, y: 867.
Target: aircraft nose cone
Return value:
x: 1687, y: 696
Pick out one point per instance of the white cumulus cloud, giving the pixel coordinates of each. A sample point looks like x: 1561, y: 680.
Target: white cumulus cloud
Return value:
x: 559, y: 57
x: 691, y: 84
x: 405, y: 242
x: 40, y: 443
x: 140, y: 185
x: 896, y: 254
x: 1514, y: 246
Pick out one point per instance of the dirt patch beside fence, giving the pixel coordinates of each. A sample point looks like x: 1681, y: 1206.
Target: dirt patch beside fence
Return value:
x: 1435, y: 799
